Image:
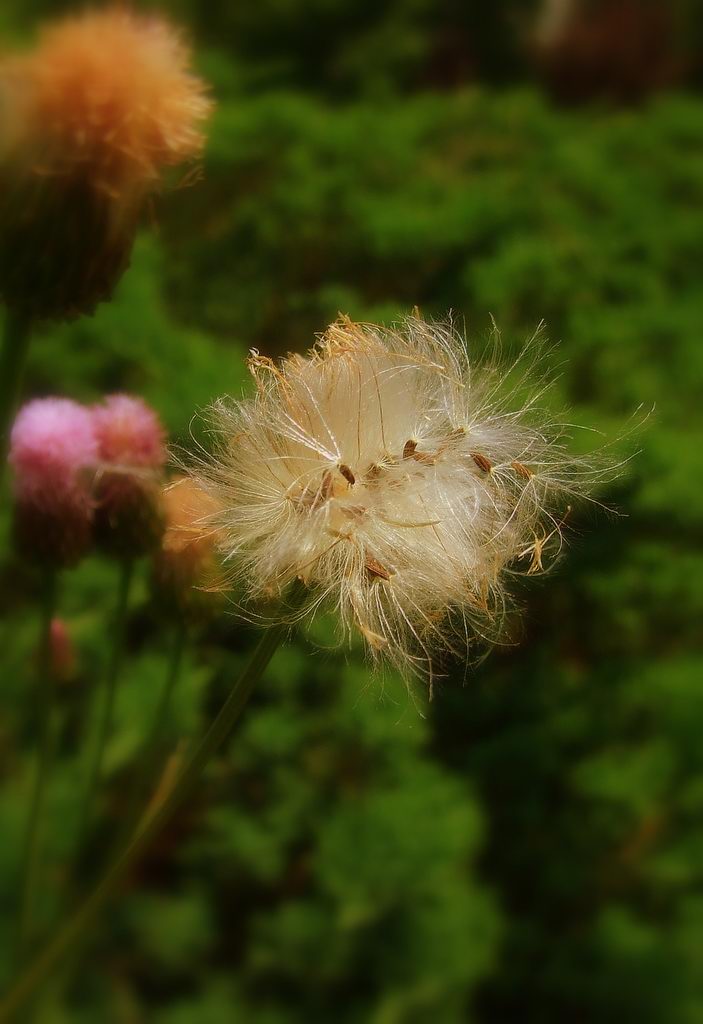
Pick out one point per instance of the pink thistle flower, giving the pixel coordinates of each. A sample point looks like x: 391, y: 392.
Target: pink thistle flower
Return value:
x: 132, y: 453
x: 53, y: 451
x: 129, y: 433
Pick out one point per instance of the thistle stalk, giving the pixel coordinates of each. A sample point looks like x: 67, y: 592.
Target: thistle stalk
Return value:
x: 106, y: 712
x: 31, y: 859
x: 13, y: 357
x: 147, y: 759
x: 173, y: 672
x: 151, y: 825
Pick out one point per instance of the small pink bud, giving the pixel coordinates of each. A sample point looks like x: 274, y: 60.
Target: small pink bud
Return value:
x: 62, y: 654
x: 53, y: 452
x: 132, y: 451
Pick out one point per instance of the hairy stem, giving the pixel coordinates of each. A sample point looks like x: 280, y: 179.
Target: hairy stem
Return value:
x: 151, y: 825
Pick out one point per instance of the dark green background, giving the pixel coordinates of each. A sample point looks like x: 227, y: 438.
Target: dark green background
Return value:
x: 529, y: 847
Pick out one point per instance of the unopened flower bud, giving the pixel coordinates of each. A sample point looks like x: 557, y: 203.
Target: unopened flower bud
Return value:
x: 53, y: 452
x: 91, y: 119
x: 128, y: 485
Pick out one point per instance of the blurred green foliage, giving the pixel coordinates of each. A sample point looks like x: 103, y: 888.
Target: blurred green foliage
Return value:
x: 531, y: 849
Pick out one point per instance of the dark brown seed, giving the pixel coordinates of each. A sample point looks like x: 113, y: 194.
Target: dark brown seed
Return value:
x: 521, y: 470
x: 353, y: 511
x: 410, y: 452
x: 347, y: 474
x: 375, y: 570
x: 325, y: 491
x: 483, y: 463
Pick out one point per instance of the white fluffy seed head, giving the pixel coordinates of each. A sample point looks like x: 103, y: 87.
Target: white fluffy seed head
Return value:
x: 402, y: 483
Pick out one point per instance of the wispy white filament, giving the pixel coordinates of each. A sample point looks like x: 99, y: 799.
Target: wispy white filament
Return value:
x: 398, y: 480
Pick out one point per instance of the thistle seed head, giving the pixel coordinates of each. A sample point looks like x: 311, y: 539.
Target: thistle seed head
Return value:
x: 401, y: 482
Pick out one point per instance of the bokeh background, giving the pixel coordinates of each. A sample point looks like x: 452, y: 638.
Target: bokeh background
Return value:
x: 528, y: 846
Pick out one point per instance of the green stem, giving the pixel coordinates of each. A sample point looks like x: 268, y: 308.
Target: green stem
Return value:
x: 13, y: 357
x: 106, y: 713
x: 72, y: 931
x: 161, y: 715
x: 32, y: 842
x: 147, y: 760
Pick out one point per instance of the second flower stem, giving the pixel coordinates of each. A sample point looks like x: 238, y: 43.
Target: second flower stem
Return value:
x: 32, y: 845
x: 95, y: 766
x: 13, y: 357
x: 148, y: 759
x: 151, y: 747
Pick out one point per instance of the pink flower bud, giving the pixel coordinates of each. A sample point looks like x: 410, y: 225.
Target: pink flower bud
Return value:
x: 53, y: 451
x: 132, y: 451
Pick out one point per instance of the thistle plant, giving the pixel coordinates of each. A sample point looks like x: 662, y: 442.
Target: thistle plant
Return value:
x: 185, y: 581
x: 127, y: 489
x: 53, y: 450
x: 386, y: 474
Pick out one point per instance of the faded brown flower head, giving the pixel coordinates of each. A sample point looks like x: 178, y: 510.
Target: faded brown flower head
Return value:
x: 95, y: 113
x: 186, y: 570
